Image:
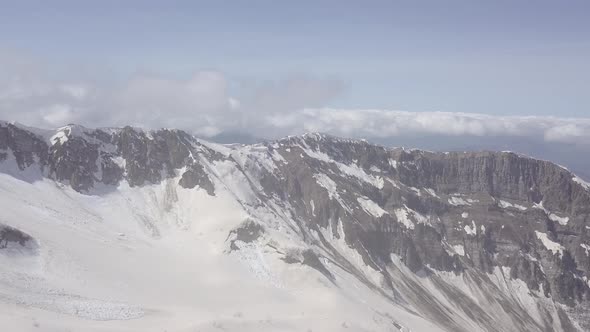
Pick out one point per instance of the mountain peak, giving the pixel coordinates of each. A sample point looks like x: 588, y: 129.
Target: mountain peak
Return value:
x: 403, y: 224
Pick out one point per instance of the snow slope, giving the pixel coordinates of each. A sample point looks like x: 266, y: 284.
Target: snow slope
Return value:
x: 294, y: 235
x: 153, y: 259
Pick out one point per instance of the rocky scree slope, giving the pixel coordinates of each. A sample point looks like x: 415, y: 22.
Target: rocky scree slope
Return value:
x: 492, y: 240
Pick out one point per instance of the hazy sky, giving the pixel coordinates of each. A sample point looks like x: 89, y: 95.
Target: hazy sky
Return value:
x: 224, y: 62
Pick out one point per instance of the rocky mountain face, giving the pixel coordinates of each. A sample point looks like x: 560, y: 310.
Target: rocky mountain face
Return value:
x: 490, y: 241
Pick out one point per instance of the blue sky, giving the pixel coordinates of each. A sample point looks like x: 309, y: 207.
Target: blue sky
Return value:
x: 510, y: 57
x: 493, y: 57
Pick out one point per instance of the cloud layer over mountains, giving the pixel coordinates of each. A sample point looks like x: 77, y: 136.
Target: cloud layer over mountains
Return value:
x: 385, y: 123
x: 203, y: 104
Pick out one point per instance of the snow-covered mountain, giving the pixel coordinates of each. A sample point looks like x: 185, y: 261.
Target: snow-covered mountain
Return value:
x: 131, y: 230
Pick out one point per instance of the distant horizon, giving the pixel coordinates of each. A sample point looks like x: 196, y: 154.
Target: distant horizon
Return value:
x: 555, y: 128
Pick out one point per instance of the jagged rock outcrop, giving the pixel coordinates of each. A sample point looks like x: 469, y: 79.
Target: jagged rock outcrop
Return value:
x: 14, y: 240
x: 433, y: 202
x: 27, y: 148
x: 83, y: 157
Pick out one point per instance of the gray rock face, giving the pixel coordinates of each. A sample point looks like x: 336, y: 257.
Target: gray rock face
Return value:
x: 151, y: 159
x: 83, y: 157
x: 248, y: 232
x: 13, y: 240
x: 26, y: 147
x: 75, y: 161
x: 310, y: 258
x: 470, y: 190
x: 458, y: 212
x: 467, y: 214
x: 194, y: 176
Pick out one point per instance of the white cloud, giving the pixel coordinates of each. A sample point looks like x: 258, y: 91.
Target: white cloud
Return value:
x: 386, y: 123
x: 203, y: 104
x: 575, y: 130
x: 74, y: 90
x: 57, y: 115
x: 200, y: 104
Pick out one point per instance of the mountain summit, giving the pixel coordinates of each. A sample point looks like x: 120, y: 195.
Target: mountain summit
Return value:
x: 122, y: 227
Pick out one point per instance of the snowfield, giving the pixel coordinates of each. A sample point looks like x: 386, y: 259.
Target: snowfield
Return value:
x: 155, y: 259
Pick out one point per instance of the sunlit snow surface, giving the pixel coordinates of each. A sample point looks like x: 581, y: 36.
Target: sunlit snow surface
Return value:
x: 583, y: 183
x: 550, y: 245
x: 155, y: 258
x: 505, y: 205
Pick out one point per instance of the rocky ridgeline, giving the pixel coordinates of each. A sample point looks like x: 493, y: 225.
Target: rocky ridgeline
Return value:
x: 497, y: 209
x: 84, y: 157
x: 459, y: 212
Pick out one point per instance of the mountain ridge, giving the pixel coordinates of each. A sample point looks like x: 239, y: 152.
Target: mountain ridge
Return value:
x: 397, y: 220
x: 46, y: 134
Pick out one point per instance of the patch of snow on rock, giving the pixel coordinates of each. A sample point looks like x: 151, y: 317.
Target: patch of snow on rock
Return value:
x: 459, y: 249
x: 327, y: 183
x: 360, y: 174
x: 458, y: 201
x: 350, y: 170
x: 540, y: 207
x: 504, y: 205
x: 375, y: 169
x: 552, y: 216
x: 416, y: 190
x: 581, y: 182
x: 393, y: 163
x: 561, y: 220
x: 402, y: 216
x: 471, y: 230
x: 60, y: 137
x: 552, y: 246
x: 431, y: 192
x: 371, y: 207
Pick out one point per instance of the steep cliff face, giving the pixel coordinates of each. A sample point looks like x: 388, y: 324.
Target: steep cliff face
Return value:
x: 446, y: 235
x: 27, y: 148
x: 461, y: 212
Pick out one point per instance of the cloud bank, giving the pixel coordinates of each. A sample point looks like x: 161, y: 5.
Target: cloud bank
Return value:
x: 202, y: 103
x: 208, y: 103
x: 387, y: 123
